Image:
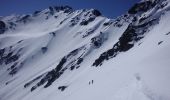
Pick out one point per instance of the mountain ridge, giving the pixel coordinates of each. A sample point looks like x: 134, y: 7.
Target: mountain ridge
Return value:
x: 65, y: 51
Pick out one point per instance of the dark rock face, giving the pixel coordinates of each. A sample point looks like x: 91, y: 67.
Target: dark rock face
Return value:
x: 36, y: 13
x: 2, y: 24
x: 65, y: 63
x: 121, y: 46
x: 59, y: 66
x: 146, y: 24
x: 12, y: 25
x: 2, y: 27
x: 11, y: 58
x: 167, y: 33
x: 140, y: 7
x: 2, y: 51
x: 72, y: 67
x: 79, y: 61
x: 24, y: 19
x: 14, y: 65
x: 15, y: 68
x: 62, y: 88
x: 51, y: 76
x: 92, y: 16
x: 96, y: 13
x: 160, y: 42
x: 87, y: 21
x: 8, y: 58
x: 146, y: 5
x: 66, y: 9
x: 55, y: 73
x: 74, y: 21
x: 44, y: 49
x: 51, y: 9
x: 97, y: 41
x: 107, y: 23
x: 33, y: 88
x: 128, y: 36
x: 131, y: 35
x: 13, y: 71
x: 53, y: 34
x: 142, y: 19
x: 89, y: 32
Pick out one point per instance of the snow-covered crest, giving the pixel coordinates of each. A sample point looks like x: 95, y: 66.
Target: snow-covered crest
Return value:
x: 65, y: 54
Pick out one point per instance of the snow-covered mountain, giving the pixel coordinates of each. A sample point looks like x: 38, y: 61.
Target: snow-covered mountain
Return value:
x: 65, y: 54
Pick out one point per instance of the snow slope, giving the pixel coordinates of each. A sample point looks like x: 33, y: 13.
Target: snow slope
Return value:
x: 66, y: 54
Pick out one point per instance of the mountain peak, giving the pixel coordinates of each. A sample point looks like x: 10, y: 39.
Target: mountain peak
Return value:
x: 66, y: 9
x: 66, y: 54
x: 96, y: 12
x: 146, y: 5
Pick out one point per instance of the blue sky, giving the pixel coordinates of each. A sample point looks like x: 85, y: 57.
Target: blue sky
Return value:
x: 109, y: 8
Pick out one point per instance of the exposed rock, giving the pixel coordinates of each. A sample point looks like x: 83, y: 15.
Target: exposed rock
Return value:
x: 66, y: 9
x: 51, y: 76
x: 2, y: 27
x: 24, y: 19
x: 29, y: 83
x: 36, y: 13
x: 121, y: 46
x: 74, y: 21
x: 44, y: 49
x: 72, y: 67
x: 79, y: 61
x: 140, y: 7
x: 53, y: 34
x: 51, y: 9
x: 97, y: 41
x: 160, y: 42
x: 14, y: 65
x: 96, y: 12
x: 107, y: 23
x: 87, y: 21
x: 11, y: 58
x: 89, y: 32
x: 62, y: 88
x: 167, y: 33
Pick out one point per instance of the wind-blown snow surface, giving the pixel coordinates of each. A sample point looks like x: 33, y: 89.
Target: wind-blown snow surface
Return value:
x: 63, y: 54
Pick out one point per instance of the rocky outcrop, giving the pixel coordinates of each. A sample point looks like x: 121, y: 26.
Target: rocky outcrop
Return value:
x: 2, y: 27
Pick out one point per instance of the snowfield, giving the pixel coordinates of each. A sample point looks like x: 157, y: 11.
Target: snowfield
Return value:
x: 65, y: 54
